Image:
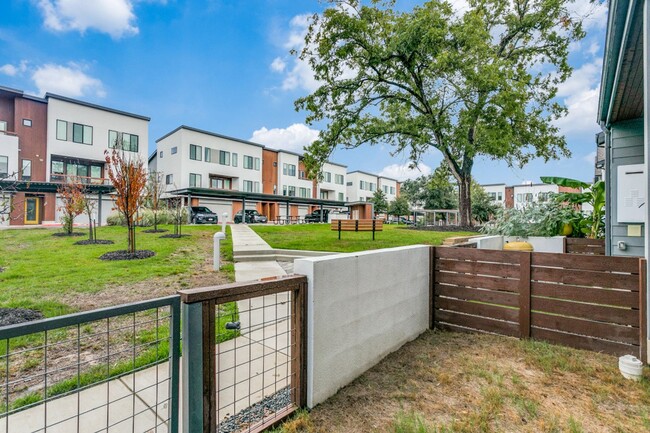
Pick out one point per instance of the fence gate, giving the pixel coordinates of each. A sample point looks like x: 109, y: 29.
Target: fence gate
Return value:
x: 244, y: 354
x: 587, y: 302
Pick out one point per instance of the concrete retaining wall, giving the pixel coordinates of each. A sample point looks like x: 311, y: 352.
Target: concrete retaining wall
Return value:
x: 362, y: 306
x: 540, y: 244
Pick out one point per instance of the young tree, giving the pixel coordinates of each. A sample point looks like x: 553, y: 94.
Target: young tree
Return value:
x: 155, y: 190
x: 72, y: 202
x: 379, y: 201
x: 481, y: 82
x: 89, y: 206
x: 175, y: 204
x: 399, y: 206
x: 483, y: 207
x: 129, y: 178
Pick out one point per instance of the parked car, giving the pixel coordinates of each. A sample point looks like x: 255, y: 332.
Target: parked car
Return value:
x: 252, y: 216
x: 203, y: 215
x: 314, y: 217
x: 401, y: 220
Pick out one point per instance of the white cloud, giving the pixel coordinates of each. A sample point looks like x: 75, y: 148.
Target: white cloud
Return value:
x: 13, y: 70
x: 114, y: 17
x: 402, y: 172
x: 293, y: 138
x: 593, y: 14
x: 68, y: 80
x: 580, y: 95
x: 278, y: 65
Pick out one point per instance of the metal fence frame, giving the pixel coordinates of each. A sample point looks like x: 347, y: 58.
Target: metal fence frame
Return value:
x: 77, y: 319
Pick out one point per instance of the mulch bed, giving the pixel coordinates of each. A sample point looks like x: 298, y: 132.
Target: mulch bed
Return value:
x: 94, y: 242
x: 125, y: 255
x: 476, y: 229
x: 173, y: 236
x: 11, y: 316
x: 67, y: 235
x: 155, y: 231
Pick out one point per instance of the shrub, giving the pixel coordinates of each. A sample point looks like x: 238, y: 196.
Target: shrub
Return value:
x: 545, y: 219
x: 145, y: 218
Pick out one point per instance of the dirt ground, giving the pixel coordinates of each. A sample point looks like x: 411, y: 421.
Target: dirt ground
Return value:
x: 452, y: 382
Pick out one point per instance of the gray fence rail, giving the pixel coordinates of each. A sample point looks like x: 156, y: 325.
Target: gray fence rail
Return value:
x: 112, y: 369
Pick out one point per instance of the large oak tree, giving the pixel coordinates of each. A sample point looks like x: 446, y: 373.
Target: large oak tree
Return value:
x: 482, y: 82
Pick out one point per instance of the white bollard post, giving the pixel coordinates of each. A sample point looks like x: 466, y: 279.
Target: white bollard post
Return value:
x: 224, y: 217
x: 217, y: 250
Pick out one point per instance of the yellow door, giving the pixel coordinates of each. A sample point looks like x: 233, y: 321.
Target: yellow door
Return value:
x: 32, y: 209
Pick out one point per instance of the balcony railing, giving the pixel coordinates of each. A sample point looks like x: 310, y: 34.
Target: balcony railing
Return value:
x: 86, y: 180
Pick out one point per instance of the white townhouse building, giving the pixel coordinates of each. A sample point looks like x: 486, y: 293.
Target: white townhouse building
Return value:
x: 389, y: 186
x: 228, y: 174
x: 497, y: 192
x: 361, y: 186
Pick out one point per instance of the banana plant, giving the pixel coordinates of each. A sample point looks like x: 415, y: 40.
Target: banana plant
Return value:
x: 592, y: 194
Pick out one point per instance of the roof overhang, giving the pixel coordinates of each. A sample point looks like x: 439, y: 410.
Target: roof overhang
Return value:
x: 12, y: 186
x: 239, y: 195
x: 622, y: 76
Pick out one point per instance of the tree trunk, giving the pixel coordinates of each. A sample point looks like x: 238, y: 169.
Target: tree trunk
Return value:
x: 465, y: 200
x: 131, y: 245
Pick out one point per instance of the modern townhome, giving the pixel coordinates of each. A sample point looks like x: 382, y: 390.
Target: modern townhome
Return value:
x: 361, y: 186
x: 625, y: 120
x: 526, y: 194
x: 45, y: 142
x: 228, y: 174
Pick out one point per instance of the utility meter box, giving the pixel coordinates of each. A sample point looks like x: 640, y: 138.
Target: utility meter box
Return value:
x: 631, y: 194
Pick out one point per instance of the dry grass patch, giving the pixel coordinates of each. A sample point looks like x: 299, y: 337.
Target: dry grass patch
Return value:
x: 451, y: 382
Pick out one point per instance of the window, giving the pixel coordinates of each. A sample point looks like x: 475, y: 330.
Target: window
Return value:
x: 27, y: 122
x: 304, y: 192
x: 362, y: 185
x: 324, y: 195
x: 208, y: 155
x: 248, y: 162
x: 4, y: 166
x: 327, y: 177
x: 160, y: 154
x: 257, y: 164
x: 233, y: 160
x: 288, y: 169
x: 123, y: 141
x: 250, y: 186
x: 169, y: 179
x: 543, y: 196
x: 341, y: 196
x: 392, y: 190
x: 26, y: 169
x: 195, y: 152
x: 195, y: 180
x: 58, y: 169
x: 385, y: 188
x: 224, y: 157
x: 62, y: 130
x: 500, y: 197
x: 87, y: 171
x: 302, y: 174
x: 372, y: 187
x: 3, y: 125
x: 82, y: 134
x: 289, y: 191
x: 338, y: 179
x: 220, y: 183
x: 492, y: 195
x: 349, y: 184
x: 174, y: 150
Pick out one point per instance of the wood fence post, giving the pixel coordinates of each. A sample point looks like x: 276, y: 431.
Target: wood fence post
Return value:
x: 643, y: 311
x: 432, y: 284
x: 564, y: 245
x: 524, y: 295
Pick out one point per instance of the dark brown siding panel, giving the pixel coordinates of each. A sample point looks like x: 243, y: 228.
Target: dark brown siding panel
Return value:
x: 7, y: 112
x: 33, y: 140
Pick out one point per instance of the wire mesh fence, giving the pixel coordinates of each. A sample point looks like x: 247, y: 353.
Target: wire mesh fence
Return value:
x: 253, y: 353
x: 108, y: 370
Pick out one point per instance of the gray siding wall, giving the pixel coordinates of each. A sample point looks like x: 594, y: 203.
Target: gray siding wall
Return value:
x: 625, y: 147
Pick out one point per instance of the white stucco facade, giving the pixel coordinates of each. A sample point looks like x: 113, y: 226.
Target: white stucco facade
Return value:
x: 389, y: 186
x: 173, y: 159
x: 360, y: 186
x: 9, y: 145
x: 497, y: 192
x: 85, y: 135
x: 332, y: 187
x: 291, y: 181
x: 525, y: 195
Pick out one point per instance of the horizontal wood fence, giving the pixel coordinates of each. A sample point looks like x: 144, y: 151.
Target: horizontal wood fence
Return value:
x: 582, y: 301
x: 584, y: 246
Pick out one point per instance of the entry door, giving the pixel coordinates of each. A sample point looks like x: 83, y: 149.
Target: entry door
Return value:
x: 32, y: 209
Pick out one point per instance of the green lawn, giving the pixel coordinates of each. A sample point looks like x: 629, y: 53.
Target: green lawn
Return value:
x: 40, y: 269
x: 319, y: 237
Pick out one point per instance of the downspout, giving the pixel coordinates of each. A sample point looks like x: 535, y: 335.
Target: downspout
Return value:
x: 608, y: 191
x: 646, y: 138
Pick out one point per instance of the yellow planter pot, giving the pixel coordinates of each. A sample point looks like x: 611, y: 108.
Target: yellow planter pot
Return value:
x: 518, y: 246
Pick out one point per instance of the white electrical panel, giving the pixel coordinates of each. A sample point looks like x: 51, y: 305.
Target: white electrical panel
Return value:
x: 631, y: 194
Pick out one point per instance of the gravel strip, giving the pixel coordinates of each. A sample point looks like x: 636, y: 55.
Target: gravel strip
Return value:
x: 68, y: 235
x: 256, y: 413
x: 125, y: 255
x: 173, y: 236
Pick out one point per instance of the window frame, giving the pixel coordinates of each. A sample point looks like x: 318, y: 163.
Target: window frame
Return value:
x: 26, y: 168
x: 6, y: 163
x: 60, y: 123
x: 196, y: 150
x: 195, y: 176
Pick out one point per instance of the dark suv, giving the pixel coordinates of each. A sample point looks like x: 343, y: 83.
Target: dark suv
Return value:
x: 252, y: 216
x: 203, y: 215
x: 314, y: 217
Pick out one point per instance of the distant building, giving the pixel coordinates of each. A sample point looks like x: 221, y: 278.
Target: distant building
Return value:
x: 526, y: 194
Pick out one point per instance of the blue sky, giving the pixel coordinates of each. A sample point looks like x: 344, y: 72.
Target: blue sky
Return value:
x: 224, y: 66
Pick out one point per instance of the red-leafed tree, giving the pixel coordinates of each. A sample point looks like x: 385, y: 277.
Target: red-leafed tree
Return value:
x: 72, y: 203
x: 129, y: 178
